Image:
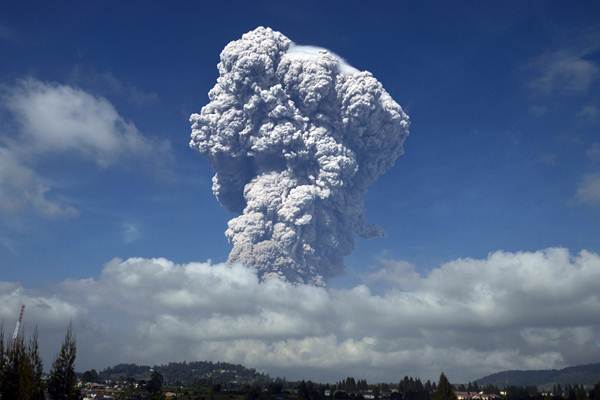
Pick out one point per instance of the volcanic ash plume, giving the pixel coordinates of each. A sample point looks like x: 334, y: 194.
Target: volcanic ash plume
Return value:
x: 296, y: 137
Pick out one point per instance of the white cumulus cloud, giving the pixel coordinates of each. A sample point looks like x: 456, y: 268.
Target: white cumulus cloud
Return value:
x: 467, y: 317
x: 21, y: 188
x: 51, y: 119
x: 59, y: 118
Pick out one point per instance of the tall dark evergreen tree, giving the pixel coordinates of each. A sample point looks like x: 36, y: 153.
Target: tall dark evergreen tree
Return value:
x: 303, y: 393
x: 428, y: 387
x: 17, y: 383
x: 62, y: 384
x: 518, y: 393
x: 444, y: 390
x: 37, y: 368
x: 571, y: 395
x: 595, y: 395
x: 90, y: 376
x: 155, y: 383
x: 310, y: 391
x: 2, y: 358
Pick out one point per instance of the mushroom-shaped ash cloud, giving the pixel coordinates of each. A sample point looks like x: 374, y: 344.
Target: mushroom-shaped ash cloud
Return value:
x: 296, y: 136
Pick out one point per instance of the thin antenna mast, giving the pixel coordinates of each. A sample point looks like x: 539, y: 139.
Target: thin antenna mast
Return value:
x: 19, y: 321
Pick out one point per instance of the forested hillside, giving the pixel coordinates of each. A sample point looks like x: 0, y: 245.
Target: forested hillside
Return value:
x: 187, y: 373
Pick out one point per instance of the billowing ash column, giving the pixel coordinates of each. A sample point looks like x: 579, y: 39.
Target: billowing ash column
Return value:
x: 296, y: 136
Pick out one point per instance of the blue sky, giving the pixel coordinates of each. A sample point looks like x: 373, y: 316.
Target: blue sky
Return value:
x: 504, y: 151
x: 493, y: 161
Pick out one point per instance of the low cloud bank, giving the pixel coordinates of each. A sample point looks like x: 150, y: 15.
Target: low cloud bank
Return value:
x: 467, y: 317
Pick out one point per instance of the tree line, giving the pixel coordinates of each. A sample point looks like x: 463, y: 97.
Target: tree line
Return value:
x: 22, y: 370
x: 412, y: 389
x: 352, y: 389
x: 569, y: 392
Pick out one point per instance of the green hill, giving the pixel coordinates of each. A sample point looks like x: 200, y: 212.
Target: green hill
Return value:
x: 582, y: 375
x: 187, y: 373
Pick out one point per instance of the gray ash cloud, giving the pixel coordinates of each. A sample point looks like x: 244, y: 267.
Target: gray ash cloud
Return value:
x: 296, y: 136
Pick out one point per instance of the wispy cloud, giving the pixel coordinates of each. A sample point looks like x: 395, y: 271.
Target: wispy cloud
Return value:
x: 549, y: 159
x: 8, y: 34
x: 567, y: 70
x: 589, y: 113
x: 593, y: 153
x: 588, y: 191
x: 130, y: 232
x: 538, y: 110
x: 107, y: 82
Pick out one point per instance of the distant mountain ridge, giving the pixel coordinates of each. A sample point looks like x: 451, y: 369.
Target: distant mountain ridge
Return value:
x: 588, y: 374
x: 187, y: 373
